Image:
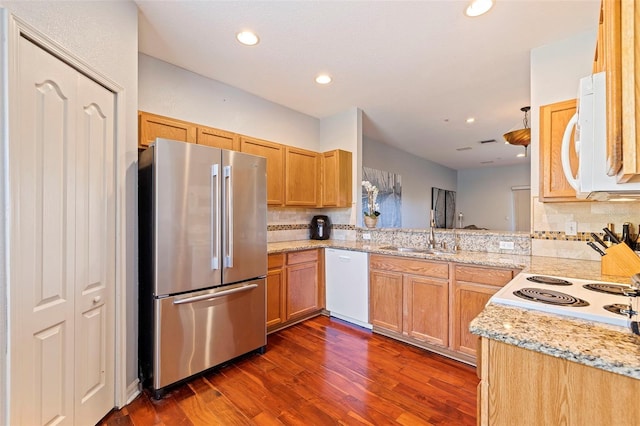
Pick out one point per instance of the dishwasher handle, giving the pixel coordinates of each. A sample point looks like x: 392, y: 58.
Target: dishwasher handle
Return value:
x: 211, y: 296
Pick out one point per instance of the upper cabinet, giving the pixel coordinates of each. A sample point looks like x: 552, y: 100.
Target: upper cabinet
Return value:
x: 295, y: 176
x: 151, y: 126
x: 274, y: 153
x: 553, y: 121
x: 336, y: 178
x: 302, y: 177
x: 617, y: 53
x: 218, y: 138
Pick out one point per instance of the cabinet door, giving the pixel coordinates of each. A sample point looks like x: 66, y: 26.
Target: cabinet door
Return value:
x: 218, y: 138
x: 152, y: 126
x: 553, y: 120
x: 385, y: 298
x: 274, y: 153
x: 336, y: 179
x: 628, y: 102
x: 469, y: 301
x: 302, y: 289
x: 275, y: 297
x: 427, y: 307
x: 426, y: 302
x: 302, y: 177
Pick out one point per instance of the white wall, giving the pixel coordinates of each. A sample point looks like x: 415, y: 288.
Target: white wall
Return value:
x: 344, y: 131
x: 104, y: 35
x: 555, y: 71
x: 484, y: 195
x: 175, y: 92
x: 418, y: 177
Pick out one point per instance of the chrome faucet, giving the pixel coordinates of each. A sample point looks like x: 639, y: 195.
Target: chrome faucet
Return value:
x: 431, y: 243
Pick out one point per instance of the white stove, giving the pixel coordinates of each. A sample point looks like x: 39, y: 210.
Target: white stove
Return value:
x: 567, y: 296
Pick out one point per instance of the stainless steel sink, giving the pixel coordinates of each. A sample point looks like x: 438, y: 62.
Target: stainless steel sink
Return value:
x: 414, y: 250
x: 405, y: 249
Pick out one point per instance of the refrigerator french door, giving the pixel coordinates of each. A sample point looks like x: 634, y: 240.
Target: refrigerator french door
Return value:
x: 203, y: 259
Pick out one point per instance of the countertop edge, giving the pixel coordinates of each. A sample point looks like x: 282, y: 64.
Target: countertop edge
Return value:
x: 606, y: 347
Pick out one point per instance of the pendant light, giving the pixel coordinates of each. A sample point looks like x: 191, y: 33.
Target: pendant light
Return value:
x: 520, y: 136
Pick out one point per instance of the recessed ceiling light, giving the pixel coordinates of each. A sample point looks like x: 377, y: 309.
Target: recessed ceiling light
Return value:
x: 470, y: 120
x: 323, y: 79
x: 478, y: 7
x: 248, y: 38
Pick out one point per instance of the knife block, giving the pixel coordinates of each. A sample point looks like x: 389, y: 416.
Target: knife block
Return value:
x: 620, y: 261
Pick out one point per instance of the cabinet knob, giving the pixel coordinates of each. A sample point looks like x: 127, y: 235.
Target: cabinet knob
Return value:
x: 97, y: 300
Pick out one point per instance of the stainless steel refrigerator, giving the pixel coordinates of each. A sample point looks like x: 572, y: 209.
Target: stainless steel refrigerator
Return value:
x: 203, y: 259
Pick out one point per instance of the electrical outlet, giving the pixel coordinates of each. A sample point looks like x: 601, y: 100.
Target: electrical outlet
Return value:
x: 507, y: 245
x: 571, y: 228
x: 366, y: 236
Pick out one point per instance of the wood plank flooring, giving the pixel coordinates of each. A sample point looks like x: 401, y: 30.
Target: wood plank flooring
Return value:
x: 319, y: 372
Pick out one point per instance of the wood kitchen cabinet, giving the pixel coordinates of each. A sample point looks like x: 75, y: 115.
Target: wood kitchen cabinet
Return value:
x: 152, y: 126
x: 519, y: 386
x: 409, y: 298
x: 473, y: 286
x: 218, y: 138
x: 617, y: 54
x: 295, y: 287
x: 430, y: 304
x: 303, y: 286
x: 553, y: 121
x: 276, y: 294
x: 385, y: 298
x: 302, y: 177
x: 336, y: 178
x: 274, y: 153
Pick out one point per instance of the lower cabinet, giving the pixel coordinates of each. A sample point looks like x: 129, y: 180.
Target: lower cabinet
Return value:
x: 410, y: 298
x: 519, y: 386
x: 473, y: 286
x: 431, y: 303
x: 295, y: 287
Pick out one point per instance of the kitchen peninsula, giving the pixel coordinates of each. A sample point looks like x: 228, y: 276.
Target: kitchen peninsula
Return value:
x: 575, y: 369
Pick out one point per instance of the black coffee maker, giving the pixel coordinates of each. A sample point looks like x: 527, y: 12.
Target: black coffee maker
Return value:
x: 320, y: 228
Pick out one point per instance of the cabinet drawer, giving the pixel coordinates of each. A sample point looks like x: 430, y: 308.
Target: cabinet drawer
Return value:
x: 409, y: 266
x: 275, y: 260
x: 302, y: 256
x: 477, y: 274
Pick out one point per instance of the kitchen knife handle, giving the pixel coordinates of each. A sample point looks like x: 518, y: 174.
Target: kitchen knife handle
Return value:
x: 596, y: 248
x: 598, y: 240
x: 611, y: 235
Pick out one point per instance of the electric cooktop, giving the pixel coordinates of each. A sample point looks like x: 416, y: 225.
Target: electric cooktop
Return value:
x: 586, y: 299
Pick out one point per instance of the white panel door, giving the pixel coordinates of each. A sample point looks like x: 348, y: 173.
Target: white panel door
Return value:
x: 95, y: 253
x: 62, y: 237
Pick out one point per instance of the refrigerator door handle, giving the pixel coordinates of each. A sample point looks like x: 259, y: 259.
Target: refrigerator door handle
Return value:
x: 217, y: 295
x: 215, y: 218
x: 229, y: 217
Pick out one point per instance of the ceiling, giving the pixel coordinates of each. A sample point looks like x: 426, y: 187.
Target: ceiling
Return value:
x: 417, y: 69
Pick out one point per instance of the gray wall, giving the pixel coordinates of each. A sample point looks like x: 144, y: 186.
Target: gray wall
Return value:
x: 484, y: 195
x: 418, y: 177
x: 175, y: 92
x: 105, y: 35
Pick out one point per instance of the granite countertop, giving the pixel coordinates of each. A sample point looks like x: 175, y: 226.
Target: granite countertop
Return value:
x: 602, y: 346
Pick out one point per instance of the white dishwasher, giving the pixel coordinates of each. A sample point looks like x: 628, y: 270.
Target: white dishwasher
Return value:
x: 347, y: 285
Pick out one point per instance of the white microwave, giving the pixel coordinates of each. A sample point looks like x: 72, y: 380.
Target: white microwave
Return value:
x: 591, y: 181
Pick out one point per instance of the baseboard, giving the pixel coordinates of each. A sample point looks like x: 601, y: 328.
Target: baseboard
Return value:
x: 133, y: 390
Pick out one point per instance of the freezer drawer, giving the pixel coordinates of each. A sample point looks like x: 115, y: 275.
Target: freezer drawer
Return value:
x: 197, y: 331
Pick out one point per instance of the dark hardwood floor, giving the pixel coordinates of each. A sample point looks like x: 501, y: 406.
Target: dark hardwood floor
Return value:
x: 319, y: 372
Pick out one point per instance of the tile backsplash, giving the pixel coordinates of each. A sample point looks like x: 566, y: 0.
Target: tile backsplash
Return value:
x: 292, y: 224
x: 550, y: 221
